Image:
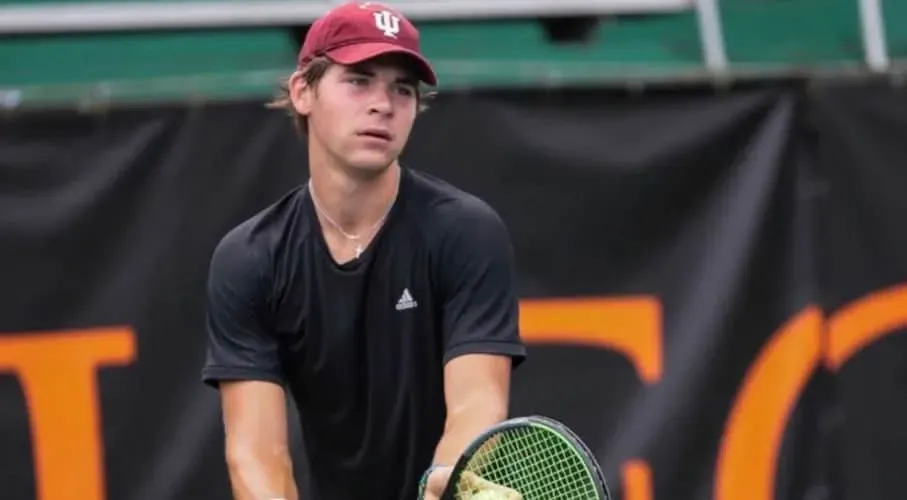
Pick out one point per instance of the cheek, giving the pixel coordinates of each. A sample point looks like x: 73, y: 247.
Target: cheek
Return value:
x: 405, y: 116
x: 404, y: 127
x: 332, y: 120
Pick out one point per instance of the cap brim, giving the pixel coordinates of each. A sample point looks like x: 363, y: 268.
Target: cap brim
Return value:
x: 356, y: 54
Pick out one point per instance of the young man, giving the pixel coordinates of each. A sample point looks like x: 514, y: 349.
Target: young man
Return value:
x: 382, y: 299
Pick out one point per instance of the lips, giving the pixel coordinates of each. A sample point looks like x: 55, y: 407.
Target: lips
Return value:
x: 376, y: 133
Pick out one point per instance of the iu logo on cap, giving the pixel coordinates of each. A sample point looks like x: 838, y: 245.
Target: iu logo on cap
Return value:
x: 387, y: 23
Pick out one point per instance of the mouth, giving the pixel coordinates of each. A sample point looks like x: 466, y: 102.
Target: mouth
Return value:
x: 376, y: 134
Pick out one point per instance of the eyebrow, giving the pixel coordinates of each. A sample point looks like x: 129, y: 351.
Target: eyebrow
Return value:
x: 363, y: 70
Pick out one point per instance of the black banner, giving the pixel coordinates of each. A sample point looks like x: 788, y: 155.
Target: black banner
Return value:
x: 714, y: 284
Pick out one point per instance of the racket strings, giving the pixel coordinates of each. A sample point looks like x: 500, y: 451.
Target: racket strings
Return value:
x: 537, y: 463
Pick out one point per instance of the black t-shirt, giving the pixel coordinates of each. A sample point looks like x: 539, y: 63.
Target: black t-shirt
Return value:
x: 361, y: 346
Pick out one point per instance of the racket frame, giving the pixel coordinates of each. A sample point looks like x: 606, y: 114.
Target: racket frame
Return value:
x: 592, y: 466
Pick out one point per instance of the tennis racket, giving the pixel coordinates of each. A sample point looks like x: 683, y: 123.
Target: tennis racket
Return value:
x: 527, y: 458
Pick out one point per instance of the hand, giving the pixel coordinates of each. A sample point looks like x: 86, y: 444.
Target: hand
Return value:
x: 436, y: 482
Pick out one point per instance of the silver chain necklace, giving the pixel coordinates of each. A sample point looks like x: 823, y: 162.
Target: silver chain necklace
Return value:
x: 353, y: 237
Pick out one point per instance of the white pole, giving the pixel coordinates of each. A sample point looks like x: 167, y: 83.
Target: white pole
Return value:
x: 711, y: 35
x: 873, y: 27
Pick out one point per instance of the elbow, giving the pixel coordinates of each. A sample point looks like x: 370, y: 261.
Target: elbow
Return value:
x: 494, y: 412
x: 497, y: 414
x: 237, y: 457
x: 259, y: 473
x: 486, y: 413
x: 244, y: 457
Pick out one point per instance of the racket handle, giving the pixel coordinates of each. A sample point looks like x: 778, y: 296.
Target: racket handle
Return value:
x: 474, y: 481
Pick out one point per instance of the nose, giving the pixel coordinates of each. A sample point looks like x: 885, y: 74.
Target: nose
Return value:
x: 381, y: 102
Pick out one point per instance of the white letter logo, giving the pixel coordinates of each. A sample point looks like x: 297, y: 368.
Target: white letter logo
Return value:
x: 388, y: 23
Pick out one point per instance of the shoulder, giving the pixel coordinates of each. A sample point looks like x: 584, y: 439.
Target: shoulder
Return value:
x: 248, y: 249
x: 446, y: 211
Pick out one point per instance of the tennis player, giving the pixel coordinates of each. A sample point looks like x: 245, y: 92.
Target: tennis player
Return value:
x: 378, y: 298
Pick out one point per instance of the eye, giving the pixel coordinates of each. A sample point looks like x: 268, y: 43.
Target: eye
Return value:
x: 358, y: 80
x: 406, y: 90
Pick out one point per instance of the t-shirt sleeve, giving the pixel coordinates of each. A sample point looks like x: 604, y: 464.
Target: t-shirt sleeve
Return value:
x: 480, y: 305
x: 241, y: 345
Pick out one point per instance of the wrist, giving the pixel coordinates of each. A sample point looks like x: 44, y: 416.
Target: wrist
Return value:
x: 423, y: 482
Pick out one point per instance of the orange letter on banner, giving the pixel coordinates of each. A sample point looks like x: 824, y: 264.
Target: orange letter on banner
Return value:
x: 630, y: 326
x: 637, y: 481
x: 863, y: 322
x: 57, y: 373
x: 752, y: 438
x: 752, y: 441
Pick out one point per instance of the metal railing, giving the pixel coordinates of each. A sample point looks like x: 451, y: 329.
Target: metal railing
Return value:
x: 200, y: 14
x: 149, y: 15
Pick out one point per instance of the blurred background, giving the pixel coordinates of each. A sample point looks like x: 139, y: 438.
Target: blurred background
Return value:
x: 706, y: 200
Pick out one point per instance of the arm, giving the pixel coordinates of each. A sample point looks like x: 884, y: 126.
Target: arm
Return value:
x: 476, y: 391
x: 243, y: 364
x: 481, y: 328
x: 258, y: 457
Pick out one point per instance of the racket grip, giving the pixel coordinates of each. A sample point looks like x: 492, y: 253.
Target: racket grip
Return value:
x: 474, y: 481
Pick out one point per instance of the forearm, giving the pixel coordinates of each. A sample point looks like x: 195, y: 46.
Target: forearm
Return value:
x: 262, y: 477
x: 462, y: 427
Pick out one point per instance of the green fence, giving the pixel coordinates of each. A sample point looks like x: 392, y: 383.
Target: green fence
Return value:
x: 760, y: 36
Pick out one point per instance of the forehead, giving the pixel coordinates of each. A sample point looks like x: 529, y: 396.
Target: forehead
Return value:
x: 399, y: 66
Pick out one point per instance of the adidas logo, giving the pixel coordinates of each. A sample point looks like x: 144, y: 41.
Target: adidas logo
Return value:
x: 406, y: 301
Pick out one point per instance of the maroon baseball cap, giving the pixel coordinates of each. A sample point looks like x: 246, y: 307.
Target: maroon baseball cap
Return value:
x: 357, y: 31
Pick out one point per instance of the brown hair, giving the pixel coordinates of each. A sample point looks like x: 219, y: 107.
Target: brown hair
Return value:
x: 312, y: 74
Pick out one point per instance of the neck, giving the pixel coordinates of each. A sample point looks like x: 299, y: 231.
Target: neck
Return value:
x: 355, y: 202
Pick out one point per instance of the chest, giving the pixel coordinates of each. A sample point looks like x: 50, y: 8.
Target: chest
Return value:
x: 382, y: 311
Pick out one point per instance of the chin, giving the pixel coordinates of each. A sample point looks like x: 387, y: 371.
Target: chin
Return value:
x: 371, y: 163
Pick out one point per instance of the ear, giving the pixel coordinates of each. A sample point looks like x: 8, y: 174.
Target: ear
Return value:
x: 300, y: 93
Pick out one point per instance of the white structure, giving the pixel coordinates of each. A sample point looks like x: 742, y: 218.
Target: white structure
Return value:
x: 148, y: 15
